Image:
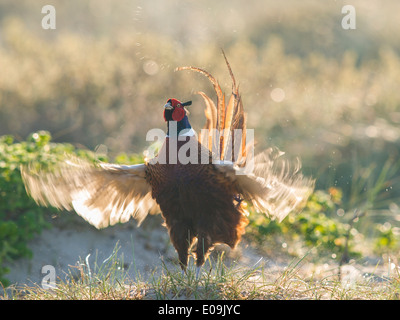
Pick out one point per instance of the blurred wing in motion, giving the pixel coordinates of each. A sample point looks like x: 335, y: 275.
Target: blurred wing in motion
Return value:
x: 103, y: 195
x: 274, y: 186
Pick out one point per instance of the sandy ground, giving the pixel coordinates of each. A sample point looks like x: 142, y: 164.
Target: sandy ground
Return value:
x: 65, y: 245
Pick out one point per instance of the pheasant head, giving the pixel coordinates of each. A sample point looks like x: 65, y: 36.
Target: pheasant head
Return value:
x: 174, y: 110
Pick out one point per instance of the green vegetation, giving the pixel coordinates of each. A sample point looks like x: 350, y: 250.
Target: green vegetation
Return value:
x: 313, y: 228
x: 20, y: 217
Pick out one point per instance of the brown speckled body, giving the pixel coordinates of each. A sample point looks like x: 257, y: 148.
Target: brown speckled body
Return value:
x: 197, y: 202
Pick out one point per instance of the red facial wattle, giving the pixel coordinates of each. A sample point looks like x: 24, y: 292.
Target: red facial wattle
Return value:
x: 178, y: 114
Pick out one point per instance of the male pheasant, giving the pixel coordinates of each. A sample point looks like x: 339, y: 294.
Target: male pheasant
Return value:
x: 198, y: 184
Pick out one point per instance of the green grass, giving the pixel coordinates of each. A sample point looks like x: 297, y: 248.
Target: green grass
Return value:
x: 219, y: 280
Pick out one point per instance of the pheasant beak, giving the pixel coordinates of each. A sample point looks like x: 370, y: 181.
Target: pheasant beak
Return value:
x: 168, y: 106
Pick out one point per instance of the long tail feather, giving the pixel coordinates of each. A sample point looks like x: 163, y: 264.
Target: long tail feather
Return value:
x: 228, y: 118
x: 207, y: 136
x: 217, y: 88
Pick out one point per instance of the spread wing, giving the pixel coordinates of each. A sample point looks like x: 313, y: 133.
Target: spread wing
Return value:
x: 272, y: 184
x: 103, y: 195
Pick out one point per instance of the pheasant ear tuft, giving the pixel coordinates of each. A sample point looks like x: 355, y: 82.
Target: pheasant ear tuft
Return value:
x: 178, y: 114
x: 187, y: 103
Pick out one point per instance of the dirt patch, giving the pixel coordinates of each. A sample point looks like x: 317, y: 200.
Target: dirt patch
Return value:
x: 148, y: 247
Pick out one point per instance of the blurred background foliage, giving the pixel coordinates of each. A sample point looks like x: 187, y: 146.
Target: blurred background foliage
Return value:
x: 311, y: 88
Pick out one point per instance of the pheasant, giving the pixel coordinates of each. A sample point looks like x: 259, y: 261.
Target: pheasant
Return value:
x: 200, y: 183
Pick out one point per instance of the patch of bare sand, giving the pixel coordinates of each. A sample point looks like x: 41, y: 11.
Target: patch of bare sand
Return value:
x: 145, y: 249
